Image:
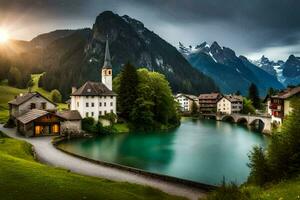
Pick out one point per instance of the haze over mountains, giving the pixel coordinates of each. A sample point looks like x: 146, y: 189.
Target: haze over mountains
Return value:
x: 71, y: 57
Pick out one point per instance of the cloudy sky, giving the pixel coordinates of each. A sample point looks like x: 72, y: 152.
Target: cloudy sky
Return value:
x: 251, y: 28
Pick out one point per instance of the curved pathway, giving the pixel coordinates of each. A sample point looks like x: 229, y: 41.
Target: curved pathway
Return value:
x: 48, y: 154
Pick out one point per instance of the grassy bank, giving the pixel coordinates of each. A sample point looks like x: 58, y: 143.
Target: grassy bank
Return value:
x: 8, y: 93
x: 24, y: 178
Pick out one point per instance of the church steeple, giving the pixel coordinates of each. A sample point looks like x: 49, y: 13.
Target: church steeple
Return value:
x: 107, y: 68
x: 107, y: 59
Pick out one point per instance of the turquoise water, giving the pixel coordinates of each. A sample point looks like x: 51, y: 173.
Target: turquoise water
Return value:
x: 199, y: 150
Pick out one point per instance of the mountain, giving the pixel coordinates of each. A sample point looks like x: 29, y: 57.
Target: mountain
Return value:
x: 288, y: 73
x: 230, y: 72
x: 73, y: 57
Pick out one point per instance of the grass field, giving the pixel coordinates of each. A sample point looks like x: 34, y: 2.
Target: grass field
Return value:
x: 8, y: 93
x: 286, y: 190
x: 21, y: 177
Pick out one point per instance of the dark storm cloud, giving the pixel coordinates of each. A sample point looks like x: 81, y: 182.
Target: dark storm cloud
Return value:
x: 241, y: 24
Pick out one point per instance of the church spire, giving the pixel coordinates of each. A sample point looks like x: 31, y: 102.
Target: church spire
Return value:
x: 107, y: 59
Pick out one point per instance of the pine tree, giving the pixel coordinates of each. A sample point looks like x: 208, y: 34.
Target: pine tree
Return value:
x: 127, y: 90
x: 254, y: 96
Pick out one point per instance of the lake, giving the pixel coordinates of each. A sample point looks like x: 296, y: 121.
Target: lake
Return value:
x: 203, y: 150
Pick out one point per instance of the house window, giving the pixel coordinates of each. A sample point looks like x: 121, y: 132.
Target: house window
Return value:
x: 93, y: 104
x: 32, y: 106
x: 111, y: 103
x: 86, y: 104
x: 38, y: 130
x: 111, y: 111
x: 44, y: 105
x: 100, y: 104
x: 100, y: 113
x: 111, y: 97
x: 92, y: 113
x: 86, y: 114
x: 104, y: 103
x: 77, y: 104
x: 105, y: 112
x: 55, y: 128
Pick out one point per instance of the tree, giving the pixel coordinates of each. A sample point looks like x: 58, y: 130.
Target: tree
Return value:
x: 127, y: 90
x: 194, y: 108
x: 56, y: 96
x: 154, y: 105
x: 14, y: 76
x: 254, y: 96
x: 247, y: 107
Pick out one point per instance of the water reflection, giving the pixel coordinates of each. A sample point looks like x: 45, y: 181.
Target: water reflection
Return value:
x: 199, y: 150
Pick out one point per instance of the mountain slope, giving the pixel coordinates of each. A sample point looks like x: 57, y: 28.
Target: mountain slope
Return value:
x: 230, y: 72
x: 288, y: 73
x: 78, y: 57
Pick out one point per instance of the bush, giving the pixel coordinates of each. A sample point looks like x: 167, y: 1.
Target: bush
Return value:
x: 88, y: 124
x: 56, y: 96
x: 228, y: 192
x: 260, y: 172
x: 283, y: 158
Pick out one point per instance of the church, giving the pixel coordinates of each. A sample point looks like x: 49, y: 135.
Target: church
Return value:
x: 96, y: 99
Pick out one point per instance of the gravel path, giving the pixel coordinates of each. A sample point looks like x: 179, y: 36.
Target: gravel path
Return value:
x: 48, y: 154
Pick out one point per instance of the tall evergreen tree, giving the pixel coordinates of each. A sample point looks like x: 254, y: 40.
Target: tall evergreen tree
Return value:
x: 127, y: 90
x: 254, y: 96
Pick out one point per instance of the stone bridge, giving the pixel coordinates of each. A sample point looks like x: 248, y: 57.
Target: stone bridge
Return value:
x: 250, y: 120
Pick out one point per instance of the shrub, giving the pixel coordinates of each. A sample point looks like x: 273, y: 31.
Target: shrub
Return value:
x: 283, y: 158
x: 260, y: 172
x: 228, y: 192
x: 88, y: 124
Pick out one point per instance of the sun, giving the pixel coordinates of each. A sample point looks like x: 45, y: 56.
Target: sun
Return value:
x: 3, y: 35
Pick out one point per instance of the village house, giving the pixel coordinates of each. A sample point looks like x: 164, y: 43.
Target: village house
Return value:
x: 279, y: 106
x: 35, y: 115
x: 95, y: 99
x: 186, y: 102
x: 230, y: 104
x: 208, y: 102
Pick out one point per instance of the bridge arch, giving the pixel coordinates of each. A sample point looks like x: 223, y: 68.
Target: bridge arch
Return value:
x: 242, y: 120
x: 228, y: 118
x: 257, y: 124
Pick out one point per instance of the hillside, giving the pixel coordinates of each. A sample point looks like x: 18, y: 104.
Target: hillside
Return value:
x: 8, y: 93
